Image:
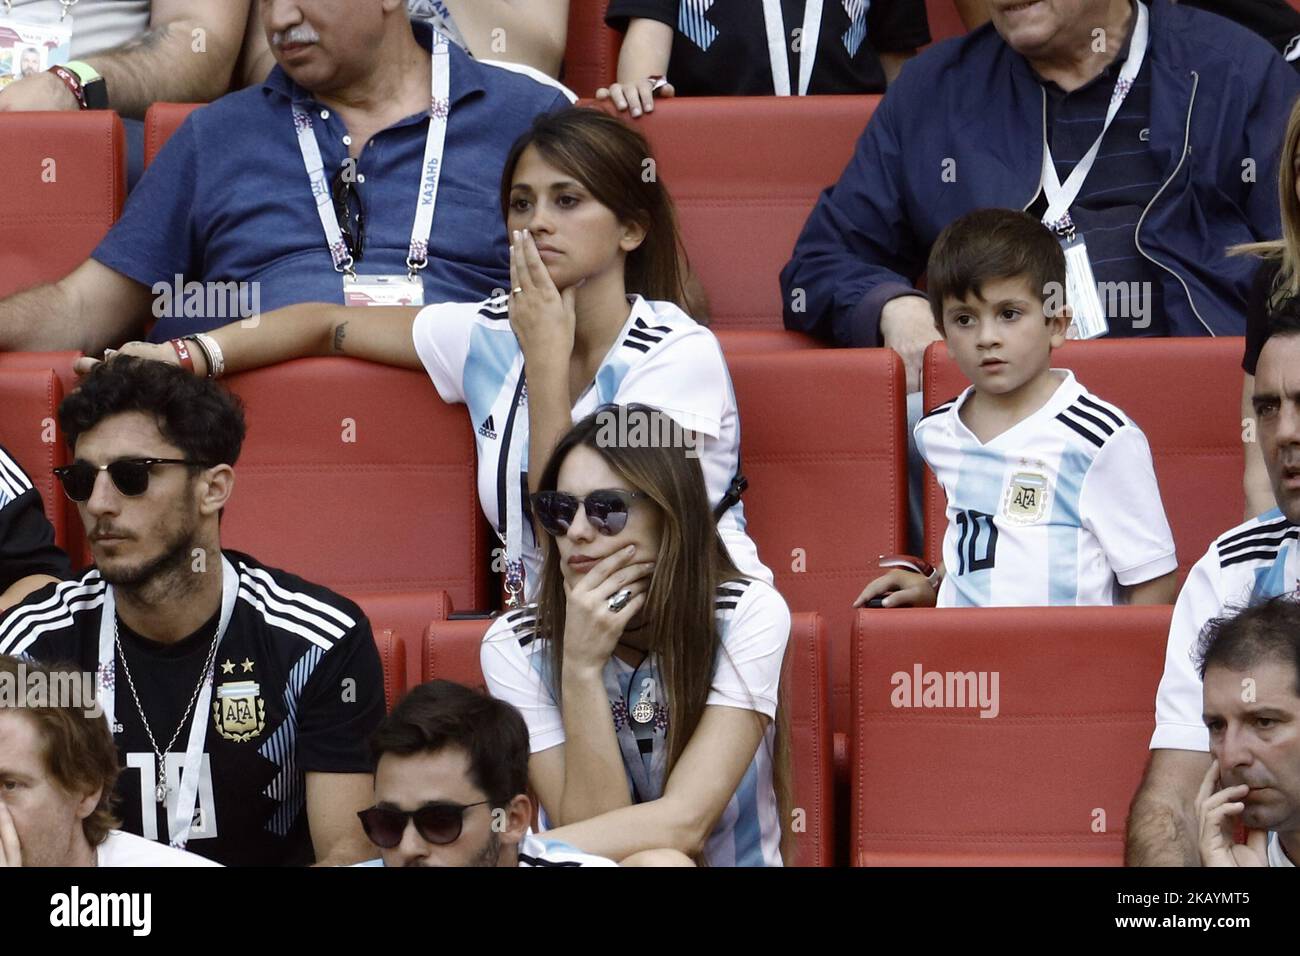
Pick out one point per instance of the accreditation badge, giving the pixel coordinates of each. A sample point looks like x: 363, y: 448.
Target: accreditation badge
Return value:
x: 1025, y: 499
x: 378, y: 290
x: 33, y: 42
x: 1089, y: 320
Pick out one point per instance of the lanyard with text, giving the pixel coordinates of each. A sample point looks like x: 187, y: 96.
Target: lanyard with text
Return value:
x: 1081, y: 286
x: 776, y: 44
x: 386, y: 289
x: 180, y: 805
x: 36, y: 38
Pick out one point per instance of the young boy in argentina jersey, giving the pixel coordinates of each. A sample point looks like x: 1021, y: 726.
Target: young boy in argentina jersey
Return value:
x: 1052, y: 496
x: 1257, y: 560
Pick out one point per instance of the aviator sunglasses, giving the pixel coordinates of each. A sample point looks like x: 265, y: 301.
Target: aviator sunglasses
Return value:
x: 607, y: 510
x: 439, y: 823
x: 130, y: 475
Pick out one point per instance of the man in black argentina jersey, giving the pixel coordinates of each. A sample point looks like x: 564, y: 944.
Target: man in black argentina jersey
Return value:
x: 240, y: 696
x: 29, y: 558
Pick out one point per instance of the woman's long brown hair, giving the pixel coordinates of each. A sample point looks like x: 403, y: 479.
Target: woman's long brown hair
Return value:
x: 1287, y: 248
x: 679, y: 611
x: 613, y: 161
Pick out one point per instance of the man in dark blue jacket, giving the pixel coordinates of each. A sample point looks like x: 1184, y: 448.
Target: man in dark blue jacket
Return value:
x: 1186, y: 167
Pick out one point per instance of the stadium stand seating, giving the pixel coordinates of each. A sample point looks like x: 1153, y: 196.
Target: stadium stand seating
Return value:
x: 160, y: 122
x: 392, y: 656
x: 1046, y: 783
x: 1183, y: 393
x: 944, y: 20
x: 823, y: 446
x: 591, y: 49
x: 404, y: 615
x: 65, y: 186
x: 29, y: 400
x: 744, y: 180
x: 358, y: 477
x: 451, y: 652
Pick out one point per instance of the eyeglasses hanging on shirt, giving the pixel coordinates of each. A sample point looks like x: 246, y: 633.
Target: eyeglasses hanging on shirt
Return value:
x: 345, y: 250
x: 779, y: 44
x: 349, y: 209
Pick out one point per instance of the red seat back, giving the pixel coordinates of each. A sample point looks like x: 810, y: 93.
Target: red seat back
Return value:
x: 160, y: 122
x: 29, y: 400
x: 823, y: 446
x: 404, y: 615
x: 65, y: 183
x: 451, y: 652
x: 591, y: 49
x: 944, y: 20
x: 392, y: 656
x: 736, y: 341
x: 744, y: 178
x: 358, y: 477
x: 1183, y: 394
x: 1045, y: 782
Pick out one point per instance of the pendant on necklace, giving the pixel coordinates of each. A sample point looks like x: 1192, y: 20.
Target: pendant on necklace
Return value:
x: 160, y: 792
x: 644, y: 711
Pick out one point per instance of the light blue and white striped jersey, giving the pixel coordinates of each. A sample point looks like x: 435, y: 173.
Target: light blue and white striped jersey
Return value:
x: 1253, y: 562
x: 1054, y: 511
x: 754, y: 626
x: 661, y: 358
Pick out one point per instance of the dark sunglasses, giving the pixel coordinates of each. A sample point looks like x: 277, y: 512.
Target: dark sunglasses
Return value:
x: 350, y: 212
x: 606, y: 510
x: 130, y: 475
x: 438, y: 823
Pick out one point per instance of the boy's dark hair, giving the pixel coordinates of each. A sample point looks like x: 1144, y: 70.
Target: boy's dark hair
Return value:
x: 1268, y: 631
x: 195, y: 414
x: 441, y: 714
x: 993, y: 244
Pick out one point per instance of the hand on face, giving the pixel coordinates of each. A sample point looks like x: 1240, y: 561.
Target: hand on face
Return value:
x: 11, y: 851
x: 592, y: 628
x: 1217, y: 812
x: 542, y: 317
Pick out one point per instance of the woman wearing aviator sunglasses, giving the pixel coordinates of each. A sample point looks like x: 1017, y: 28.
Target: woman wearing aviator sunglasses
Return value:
x: 589, y: 223
x: 648, y: 670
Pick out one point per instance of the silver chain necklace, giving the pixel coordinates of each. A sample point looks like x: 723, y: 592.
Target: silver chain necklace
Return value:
x: 160, y: 792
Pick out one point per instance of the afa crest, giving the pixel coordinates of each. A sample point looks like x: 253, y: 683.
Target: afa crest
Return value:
x: 239, y: 713
x: 1025, y: 498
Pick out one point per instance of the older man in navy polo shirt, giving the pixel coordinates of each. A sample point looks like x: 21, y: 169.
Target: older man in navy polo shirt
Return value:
x: 227, y: 223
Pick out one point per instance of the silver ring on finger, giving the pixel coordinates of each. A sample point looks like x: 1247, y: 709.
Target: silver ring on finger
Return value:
x: 619, y: 600
x: 517, y: 290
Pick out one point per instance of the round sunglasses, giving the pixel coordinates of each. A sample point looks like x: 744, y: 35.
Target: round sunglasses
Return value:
x: 607, y: 510
x: 439, y: 822
x: 130, y: 475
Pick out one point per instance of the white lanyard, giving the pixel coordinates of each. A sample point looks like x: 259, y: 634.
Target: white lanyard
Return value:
x: 776, y: 44
x: 182, y: 816
x: 417, y: 256
x: 1060, y: 198
x: 65, y: 6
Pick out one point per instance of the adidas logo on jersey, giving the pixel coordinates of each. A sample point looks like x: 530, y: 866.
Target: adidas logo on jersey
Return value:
x: 488, y: 429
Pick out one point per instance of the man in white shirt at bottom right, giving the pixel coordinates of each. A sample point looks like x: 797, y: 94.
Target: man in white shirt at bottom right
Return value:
x: 1250, y: 668
x: 58, y: 765
x: 1246, y: 565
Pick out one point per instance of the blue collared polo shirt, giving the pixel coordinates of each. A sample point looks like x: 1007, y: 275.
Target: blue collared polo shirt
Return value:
x: 228, y: 198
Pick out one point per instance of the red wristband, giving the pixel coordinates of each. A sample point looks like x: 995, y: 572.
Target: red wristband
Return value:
x: 183, y: 353
x: 72, y: 82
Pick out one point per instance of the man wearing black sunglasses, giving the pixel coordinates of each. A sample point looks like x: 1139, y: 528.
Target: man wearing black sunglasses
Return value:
x: 451, y: 781
x: 239, y: 696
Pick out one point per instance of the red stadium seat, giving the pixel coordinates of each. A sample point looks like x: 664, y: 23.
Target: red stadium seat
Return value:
x: 591, y: 50
x: 945, y: 21
x: 29, y: 399
x: 736, y: 341
x: 358, y: 477
x: 64, y: 187
x: 1045, y: 782
x: 392, y: 655
x: 160, y: 122
x: 823, y: 446
x: 1183, y: 393
x: 404, y: 615
x: 58, y: 362
x: 744, y: 180
x: 451, y: 652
